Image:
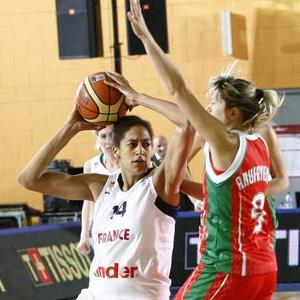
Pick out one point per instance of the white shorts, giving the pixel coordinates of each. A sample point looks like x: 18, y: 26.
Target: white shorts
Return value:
x: 85, y: 295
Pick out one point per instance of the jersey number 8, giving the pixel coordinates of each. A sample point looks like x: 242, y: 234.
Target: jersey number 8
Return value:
x: 258, y: 212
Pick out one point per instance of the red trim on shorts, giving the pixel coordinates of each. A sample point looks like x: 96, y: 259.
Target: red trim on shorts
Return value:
x: 188, y: 284
x: 216, y: 286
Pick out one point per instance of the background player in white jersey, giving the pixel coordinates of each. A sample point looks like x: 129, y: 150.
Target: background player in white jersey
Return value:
x: 134, y: 224
x: 104, y: 163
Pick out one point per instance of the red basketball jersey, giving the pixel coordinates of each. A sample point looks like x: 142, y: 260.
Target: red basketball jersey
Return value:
x: 237, y: 227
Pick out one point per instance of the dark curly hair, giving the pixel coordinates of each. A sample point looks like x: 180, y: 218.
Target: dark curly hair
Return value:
x: 124, y: 124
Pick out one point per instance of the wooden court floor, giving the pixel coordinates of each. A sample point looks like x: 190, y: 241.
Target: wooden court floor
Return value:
x: 286, y: 296
x: 277, y: 296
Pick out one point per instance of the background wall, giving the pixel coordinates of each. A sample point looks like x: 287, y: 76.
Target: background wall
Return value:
x: 37, y: 89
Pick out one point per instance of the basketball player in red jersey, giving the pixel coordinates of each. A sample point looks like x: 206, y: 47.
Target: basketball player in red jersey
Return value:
x: 237, y: 229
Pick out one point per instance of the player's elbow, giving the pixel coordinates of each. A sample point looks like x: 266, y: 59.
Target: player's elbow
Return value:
x: 177, y: 87
x: 285, y: 182
x: 190, y: 130
x: 172, y: 186
x: 25, y: 181
x: 185, y: 128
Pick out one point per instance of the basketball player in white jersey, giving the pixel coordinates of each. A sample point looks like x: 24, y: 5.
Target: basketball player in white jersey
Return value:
x: 133, y: 229
x: 104, y: 163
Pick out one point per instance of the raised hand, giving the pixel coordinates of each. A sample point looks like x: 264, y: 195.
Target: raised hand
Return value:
x: 121, y: 83
x: 136, y: 19
x: 78, y: 124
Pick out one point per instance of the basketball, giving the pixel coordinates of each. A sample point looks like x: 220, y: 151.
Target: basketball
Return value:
x: 99, y: 103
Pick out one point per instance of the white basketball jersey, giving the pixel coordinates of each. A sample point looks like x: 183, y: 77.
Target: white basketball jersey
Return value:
x: 133, y: 242
x: 97, y: 165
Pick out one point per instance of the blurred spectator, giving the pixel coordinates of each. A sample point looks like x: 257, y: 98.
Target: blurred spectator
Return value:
x: 160, y: 145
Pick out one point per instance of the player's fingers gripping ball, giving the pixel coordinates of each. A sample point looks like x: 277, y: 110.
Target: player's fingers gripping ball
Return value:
x: 99, y: 103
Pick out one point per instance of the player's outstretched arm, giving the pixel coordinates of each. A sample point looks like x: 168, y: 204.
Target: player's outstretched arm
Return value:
x: 169, y: 175
x: 133, y: 98
x: 192, y: 188
x: 35, y: 177
x: 209, y: 127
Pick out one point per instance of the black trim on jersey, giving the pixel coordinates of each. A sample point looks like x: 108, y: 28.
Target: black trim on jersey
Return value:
x: 121, y: 182
x: 166, y: 208
x: 163, y: 206
x: 101, y: 158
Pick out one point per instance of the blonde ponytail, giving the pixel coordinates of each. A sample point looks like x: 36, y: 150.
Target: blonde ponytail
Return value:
x: 257, y: 106
x: 273, y: 101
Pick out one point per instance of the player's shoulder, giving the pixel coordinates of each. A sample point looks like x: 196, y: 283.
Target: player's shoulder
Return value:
x: 92, y: 165
x: 256, y: 136
x: 87, y: 166
x: 96, y: 180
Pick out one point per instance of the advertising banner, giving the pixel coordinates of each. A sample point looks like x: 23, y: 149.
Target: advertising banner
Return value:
x: 42, y: 263
x: 185, y: 253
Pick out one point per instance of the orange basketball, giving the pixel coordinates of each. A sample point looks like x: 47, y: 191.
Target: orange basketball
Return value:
x: 98, y: 102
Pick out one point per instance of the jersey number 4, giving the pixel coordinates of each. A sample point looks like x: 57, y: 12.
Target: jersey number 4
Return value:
x: 119, y: 209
